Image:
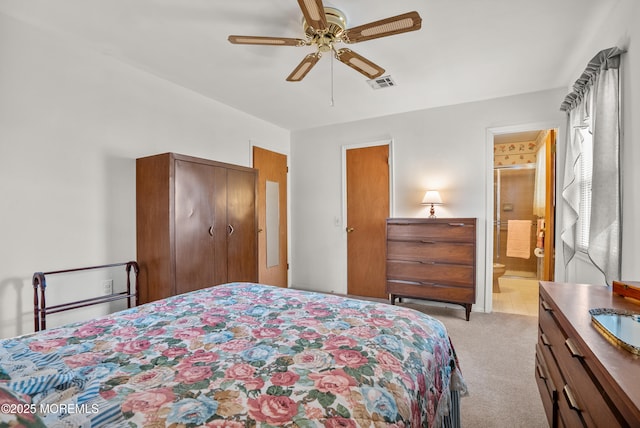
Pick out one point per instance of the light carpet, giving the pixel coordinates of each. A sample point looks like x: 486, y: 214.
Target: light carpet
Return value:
x: 497, y: 356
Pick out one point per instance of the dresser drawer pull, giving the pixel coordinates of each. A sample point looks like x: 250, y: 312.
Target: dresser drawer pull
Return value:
x: 546, y: 306
x: 545, y: 341
x: 573, y: 403
x: 426, y: 283
x: 542, y: 374
x: 428, y: 242
x: 415, y: 262
x: 573, y: 348
x: 456, y: 224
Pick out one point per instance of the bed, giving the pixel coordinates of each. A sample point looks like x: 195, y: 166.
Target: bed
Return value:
x: 236, y: 355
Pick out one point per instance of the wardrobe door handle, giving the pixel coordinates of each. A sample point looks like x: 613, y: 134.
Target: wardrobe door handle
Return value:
x: 231, y: 230
x: 211, y: 231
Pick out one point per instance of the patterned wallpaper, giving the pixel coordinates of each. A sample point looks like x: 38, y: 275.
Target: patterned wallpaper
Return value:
x: 515, y: 153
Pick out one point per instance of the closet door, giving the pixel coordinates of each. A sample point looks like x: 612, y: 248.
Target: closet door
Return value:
x: 200, y: 221
x: 242, y: 247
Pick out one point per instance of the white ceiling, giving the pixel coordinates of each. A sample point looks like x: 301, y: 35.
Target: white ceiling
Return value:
x: 467, y: 50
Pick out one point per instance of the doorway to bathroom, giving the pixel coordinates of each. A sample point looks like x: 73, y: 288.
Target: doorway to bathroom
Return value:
x: 524, y: 217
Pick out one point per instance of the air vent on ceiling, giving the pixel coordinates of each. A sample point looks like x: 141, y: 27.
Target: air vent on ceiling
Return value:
x: 381, y: 82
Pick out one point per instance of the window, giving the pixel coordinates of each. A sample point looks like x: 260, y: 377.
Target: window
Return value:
x: 585, y: 178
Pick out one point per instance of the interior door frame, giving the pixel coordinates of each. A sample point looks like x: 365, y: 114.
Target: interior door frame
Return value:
x: 343, y: 200
x: 488, y: 228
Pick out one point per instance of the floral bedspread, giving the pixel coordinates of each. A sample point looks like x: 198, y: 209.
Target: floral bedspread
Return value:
x: 235, y: 355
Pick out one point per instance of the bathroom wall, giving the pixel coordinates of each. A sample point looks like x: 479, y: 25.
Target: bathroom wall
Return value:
x: 516, y: 187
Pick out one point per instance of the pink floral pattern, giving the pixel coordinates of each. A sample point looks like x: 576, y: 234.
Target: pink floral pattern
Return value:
x: 245, y: 355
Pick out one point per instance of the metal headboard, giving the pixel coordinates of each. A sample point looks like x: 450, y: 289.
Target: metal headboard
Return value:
x: 40, y: 309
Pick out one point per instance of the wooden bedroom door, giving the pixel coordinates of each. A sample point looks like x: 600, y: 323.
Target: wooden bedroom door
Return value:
x: 273, y: 262
x: 367, y: 211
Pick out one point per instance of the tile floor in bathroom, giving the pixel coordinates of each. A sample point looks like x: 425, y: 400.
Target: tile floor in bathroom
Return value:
x: 518, y: 294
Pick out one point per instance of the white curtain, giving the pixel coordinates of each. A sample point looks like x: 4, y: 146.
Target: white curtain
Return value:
x: 577, y: 119
x: 604, y: 229
x: 595, y: 101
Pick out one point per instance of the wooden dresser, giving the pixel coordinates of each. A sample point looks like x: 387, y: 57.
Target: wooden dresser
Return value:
x: 583, y: 378
x: 432, y: 259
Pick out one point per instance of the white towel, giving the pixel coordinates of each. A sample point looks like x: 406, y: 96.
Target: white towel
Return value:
x: 519, y: 238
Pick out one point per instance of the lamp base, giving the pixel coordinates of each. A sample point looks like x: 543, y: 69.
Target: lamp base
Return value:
x: 432, y: 212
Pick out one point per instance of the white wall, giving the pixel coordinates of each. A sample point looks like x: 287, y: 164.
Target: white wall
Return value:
x: 620, y: 29
x: 72, y: 123
x: 444, y: 148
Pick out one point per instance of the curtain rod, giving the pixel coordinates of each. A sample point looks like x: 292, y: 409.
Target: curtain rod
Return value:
x: 606, y: 58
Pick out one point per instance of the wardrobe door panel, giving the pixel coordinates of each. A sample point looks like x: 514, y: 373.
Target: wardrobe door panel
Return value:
x: 218, y: 199
x: 194, y: 226
x: 242, y: 221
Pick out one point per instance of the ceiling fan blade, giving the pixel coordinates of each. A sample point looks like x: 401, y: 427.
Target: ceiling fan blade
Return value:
x: 410, y: 21
x: 303, y: 68
x: 313, y: 11
x: 359, y: 63
x: 272, y: 41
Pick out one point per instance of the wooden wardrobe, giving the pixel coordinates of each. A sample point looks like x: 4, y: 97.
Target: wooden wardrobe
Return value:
x: 197, y: 224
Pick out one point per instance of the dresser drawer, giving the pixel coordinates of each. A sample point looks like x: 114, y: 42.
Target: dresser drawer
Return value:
x: 429, y: 250
x: 550, y: 332
x: 440, y: 292
x: 457, y: 231
x: 431, y: 273
x: 587, y: 395
x: 546, y: 386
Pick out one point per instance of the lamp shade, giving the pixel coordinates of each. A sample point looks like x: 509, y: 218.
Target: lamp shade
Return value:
x: 432, y: 197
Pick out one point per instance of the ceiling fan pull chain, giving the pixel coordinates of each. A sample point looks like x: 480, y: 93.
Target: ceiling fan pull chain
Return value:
x: 331, y: 103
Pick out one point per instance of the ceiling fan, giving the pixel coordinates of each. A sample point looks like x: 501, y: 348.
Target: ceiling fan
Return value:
x: 326, y: 26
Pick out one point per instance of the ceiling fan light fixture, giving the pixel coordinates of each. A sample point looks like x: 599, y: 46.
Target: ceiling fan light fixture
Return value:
x: 324, y: 27
x: 336, y: 24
